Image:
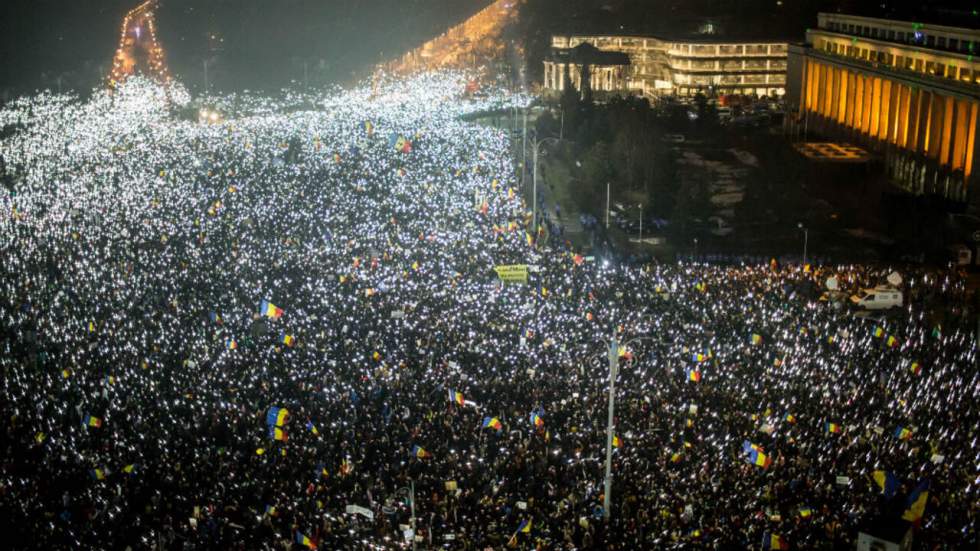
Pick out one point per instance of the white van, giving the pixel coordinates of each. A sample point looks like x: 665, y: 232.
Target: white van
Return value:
x: 879, y: 298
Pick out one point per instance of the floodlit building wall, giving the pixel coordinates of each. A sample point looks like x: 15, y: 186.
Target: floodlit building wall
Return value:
x: 917, y: 107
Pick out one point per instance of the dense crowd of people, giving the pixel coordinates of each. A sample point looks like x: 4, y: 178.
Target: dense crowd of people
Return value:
x: 226, y: 332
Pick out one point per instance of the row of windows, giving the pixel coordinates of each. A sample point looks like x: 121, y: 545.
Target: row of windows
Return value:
x: 909, y: 63
x: 728, y: 49
x: 914, y: 36
x: 731, y: 65
x: 729, y: 79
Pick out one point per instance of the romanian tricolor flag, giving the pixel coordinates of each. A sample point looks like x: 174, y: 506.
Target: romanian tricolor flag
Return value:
x: 915, y: 368
x: 536, y: 420
x: 617, y: 443
x: 276, y: 433
x: 676, y: 457
x: 530, y: 238
x: 756, y: 338
x: 903, y: 433
x: 369, y: 128
x: 523, y: 528
x: 699, y: 357
x: 694, y: 375
x: 312, y: 428
x: 128, y: 469
x: 270, y: 310
x: 759, y: 459
x: 231, y: 343
x: 879, y: 332
x: 288, y: 340
x: 346, y: 467
x: 888, y: 483
x: 831, y: 428
x: 916, y: 506
x: 806, y: 512
x: 305, y: 541
x: 276, y: 416
x: 402, y: 145
x: 92, y: 421
x: 419, y: 452
x: 336, y: 158
x: 892, y: 341
x: 790, y: 418
x: 773, y: 541
x: 492, y: 423
x: 97, y: 474
x: 216, y: 318
x: 456, y: 397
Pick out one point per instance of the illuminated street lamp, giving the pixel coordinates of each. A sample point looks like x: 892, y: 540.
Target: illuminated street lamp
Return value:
x: 805, y: 238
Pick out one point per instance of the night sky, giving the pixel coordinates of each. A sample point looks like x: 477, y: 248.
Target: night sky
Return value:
x: 264, y: 44
x: 265, y: 41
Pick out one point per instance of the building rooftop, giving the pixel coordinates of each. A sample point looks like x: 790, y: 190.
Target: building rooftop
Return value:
x: 947, y: 13
x: 721, y: 29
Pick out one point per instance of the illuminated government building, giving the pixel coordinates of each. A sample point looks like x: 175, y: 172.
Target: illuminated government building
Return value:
x: 660, y: 66
x: 908, y: 92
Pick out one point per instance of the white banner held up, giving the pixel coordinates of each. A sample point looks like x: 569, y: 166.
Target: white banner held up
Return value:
x: 358, y: 510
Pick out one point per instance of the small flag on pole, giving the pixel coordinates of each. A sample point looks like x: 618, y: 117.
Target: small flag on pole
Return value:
x: 492, y: 423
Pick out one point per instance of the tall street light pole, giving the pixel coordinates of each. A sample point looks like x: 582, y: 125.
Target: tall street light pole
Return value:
x: 805, y: 239
x: 641, y: 223
x: 535, y: 151
x: 524, y: 150
x: 411, y: 500
x: 610, y: 426
x: 607, y: 205
x: 610, y: 420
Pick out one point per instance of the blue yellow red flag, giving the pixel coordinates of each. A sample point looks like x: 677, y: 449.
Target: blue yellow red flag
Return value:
x: 270, y: 310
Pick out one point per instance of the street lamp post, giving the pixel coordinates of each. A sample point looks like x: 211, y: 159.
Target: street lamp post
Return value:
x: 613, y: 371
x: 411, y: 501
x: 607, y: 205
x: 641, y: 223
x: 535, y: 150
x: 524, y: 150
x: 613, y: 354
x: 561, y: 131
x: 805, y: 239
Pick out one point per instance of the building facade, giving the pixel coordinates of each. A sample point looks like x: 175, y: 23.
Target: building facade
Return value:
x: 662, y: 66
x: 908, y: 91
x: 603, y: 72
